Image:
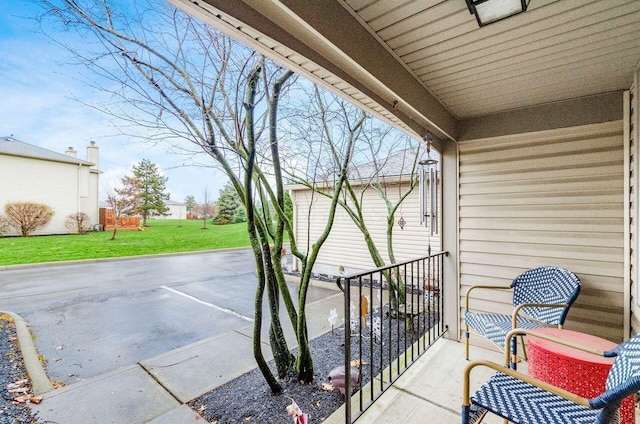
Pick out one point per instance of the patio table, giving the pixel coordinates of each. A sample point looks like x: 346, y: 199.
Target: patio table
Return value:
x: 571, y: 369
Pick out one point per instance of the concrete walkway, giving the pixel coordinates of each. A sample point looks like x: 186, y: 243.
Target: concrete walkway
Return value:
x: 156, y: 390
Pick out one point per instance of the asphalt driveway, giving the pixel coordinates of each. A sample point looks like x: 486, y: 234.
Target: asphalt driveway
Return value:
x: 94, y: 317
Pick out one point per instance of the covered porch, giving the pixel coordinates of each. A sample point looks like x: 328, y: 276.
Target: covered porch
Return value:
x: 535, y: 118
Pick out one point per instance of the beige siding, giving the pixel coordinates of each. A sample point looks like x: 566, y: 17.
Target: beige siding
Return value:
x: 548, y: 198
x: 633, y: 127
x: 55, y: 184
x: 346, y: 246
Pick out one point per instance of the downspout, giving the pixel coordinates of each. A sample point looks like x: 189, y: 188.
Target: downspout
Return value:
x: 627, y: 216
x: 78, y: 188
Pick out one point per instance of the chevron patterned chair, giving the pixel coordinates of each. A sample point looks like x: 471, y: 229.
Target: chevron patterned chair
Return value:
x: 541, y: 296
x: 521, y: 399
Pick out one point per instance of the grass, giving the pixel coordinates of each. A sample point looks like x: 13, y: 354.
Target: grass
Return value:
x: 161, y: 236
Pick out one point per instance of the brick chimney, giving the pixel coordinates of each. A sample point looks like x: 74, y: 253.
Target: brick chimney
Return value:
x: 92, y: 154
x: 71, y: 152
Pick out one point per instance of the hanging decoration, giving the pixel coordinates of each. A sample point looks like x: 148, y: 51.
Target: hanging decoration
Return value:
x: 429, y: 196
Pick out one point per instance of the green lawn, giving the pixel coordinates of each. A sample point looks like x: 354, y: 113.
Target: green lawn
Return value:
x: 161, y: 236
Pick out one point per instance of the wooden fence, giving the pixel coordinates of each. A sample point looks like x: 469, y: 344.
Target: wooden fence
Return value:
x: 108, y: 220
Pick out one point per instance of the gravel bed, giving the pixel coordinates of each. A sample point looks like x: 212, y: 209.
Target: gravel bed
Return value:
x: 248, y: 399
x: 12, y: 371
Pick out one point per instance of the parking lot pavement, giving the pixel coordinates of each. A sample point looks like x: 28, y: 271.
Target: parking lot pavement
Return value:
x: 135, y: 350
x: 92, y: 318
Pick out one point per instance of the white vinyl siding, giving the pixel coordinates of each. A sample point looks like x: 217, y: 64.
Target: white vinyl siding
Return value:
x: 346, y: 246
x: 174, y: 212
x: 547, y: 198
x: 55, y: 184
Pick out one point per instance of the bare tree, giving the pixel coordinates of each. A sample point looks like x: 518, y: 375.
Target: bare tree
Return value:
x: 27, y: 217
x: 385, y: 160
x: 124, y: 200
x: 183, y: 83
x: 78, y: 222
x: 4, y: 225
x: 206, y: 209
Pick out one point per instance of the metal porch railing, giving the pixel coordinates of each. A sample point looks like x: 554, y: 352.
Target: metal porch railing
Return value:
x: 392, y: 315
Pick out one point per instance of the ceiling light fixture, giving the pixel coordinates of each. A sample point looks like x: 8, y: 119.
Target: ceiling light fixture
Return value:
x: 490, y: 11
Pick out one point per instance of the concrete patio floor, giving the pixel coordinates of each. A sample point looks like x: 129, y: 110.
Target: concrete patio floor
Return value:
x: 431, y: 389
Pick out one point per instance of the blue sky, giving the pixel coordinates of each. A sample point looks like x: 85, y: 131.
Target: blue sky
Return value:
x: 37, y: 106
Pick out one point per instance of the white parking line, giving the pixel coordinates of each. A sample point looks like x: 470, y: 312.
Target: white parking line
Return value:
x: 211, y: 305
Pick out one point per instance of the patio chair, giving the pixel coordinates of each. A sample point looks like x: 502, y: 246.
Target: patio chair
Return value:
x: 541, y: 296
x: 522, y: 399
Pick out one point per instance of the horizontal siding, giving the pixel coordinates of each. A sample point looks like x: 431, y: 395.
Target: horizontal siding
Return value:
x: 345, y: 245
x: 551, y: 198
x: 565, y: 49
x: 55, y: 184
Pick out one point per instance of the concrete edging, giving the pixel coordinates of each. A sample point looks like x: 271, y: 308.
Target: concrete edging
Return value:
x: 39, y: 381
x: 116, y: 258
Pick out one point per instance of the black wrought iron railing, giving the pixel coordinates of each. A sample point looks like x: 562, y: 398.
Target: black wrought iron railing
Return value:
x: 392, y: 315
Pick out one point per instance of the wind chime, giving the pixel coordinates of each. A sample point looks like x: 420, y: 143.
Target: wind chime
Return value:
x: 429, y: 176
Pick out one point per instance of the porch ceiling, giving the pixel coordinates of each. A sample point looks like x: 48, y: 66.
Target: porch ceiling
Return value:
x: 425, y: 65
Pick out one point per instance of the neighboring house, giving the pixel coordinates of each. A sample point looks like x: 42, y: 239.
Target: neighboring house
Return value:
x: 62, y: 181
x: 177, y: 210
x: 410, y: 240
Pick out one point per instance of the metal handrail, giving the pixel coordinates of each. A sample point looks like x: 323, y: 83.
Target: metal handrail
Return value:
x: 399, y: 316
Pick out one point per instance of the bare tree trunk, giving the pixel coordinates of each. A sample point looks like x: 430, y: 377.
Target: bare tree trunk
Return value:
x: 115, y: 228
x: 261, y: 249
x: 257, y: 328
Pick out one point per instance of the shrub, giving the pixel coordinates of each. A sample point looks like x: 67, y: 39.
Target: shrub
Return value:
x: 4, y: 225
x: 221, y: 220
x: 78, y: 223
x: 27, y: 217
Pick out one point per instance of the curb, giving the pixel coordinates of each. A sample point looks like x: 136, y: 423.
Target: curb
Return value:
x: 39, y: 381
x: 116, y: 258
x: 313, y: 282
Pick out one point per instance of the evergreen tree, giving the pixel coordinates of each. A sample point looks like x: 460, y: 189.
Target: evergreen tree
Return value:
x: 228, y: 203
x: 288, y: 207
x: 240, y: 215
x: 152, y: 188
x: 190, y: 203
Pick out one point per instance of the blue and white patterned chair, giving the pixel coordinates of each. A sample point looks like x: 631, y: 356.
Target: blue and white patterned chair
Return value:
x: 522, y: 399
x: 541, y: 296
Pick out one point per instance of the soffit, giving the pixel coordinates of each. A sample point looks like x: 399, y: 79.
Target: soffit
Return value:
x: 557, y: 50
x: 424, y: 65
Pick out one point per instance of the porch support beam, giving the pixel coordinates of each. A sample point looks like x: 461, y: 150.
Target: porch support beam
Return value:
x: 450, y: 238
x: 600, y: 108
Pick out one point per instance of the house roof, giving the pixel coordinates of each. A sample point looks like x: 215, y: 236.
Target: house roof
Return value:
x: 427, y: 67
x: 11, y: 147
x: 390, y: 169
x: 397, y: 164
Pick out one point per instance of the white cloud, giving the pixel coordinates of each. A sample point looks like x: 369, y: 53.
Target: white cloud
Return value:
x: 37, y: 107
